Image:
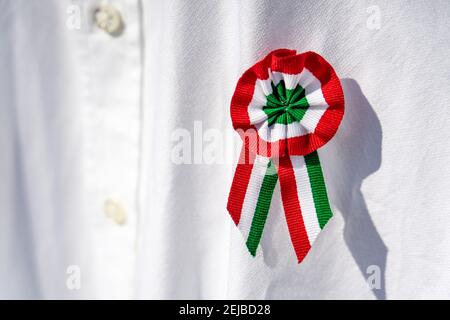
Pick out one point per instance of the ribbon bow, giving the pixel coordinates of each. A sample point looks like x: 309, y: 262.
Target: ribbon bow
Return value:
x: 285, y: 107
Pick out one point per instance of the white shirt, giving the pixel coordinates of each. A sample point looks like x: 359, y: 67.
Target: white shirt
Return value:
x: 96, y: 203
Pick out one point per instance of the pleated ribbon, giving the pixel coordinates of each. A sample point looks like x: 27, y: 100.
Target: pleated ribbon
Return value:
x: 285, y: 107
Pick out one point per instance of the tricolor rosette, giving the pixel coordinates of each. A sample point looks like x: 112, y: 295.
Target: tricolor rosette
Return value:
x: 285, y: 107
x: 292, y: 102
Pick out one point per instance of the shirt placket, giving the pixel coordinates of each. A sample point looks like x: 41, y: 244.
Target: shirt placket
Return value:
x: 111, y: 141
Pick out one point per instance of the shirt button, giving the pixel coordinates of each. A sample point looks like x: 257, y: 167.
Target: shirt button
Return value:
x: 109, y: 19
x: 115, y: 211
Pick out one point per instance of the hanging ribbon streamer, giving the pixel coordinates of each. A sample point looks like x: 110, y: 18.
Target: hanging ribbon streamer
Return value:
x: 284, y: 108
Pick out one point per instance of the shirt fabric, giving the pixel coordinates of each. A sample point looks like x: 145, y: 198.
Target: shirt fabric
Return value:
x: 90, y: 124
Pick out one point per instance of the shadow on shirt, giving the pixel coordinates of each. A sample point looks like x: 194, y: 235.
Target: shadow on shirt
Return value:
x: 358, y: 155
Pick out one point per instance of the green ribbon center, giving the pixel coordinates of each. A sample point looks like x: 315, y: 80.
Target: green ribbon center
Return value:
x: 285, y: 106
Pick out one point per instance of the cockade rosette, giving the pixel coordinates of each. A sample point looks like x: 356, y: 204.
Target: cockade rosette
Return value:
x: 285, y: 107
x: 293, y: 101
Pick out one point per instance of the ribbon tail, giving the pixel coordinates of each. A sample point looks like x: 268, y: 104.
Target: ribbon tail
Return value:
x: 305, y: 200
x: 250, y: 196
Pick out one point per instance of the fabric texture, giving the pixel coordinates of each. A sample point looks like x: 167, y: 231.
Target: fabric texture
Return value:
x: 86, y: 116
